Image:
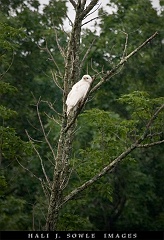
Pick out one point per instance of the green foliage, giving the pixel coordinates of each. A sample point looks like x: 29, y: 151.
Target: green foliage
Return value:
x: 116, y: 199
x: 73, y: 222
x: 3, y: 185
x: 6, y: 113
x: 8, y: 36
x: 13, y: 214
x: 7, y: 88
x: 11, y: 145
x: 142, y: 108
x: 39, y: 210
x: 55, y: 9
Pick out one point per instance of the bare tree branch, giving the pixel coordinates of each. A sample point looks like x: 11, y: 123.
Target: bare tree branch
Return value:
x: 54, y: 76
x: 52, y: 58
x: 87, y: 52
x: 111, y: 73
x: 28, y: 170
x: 90, y: 21
x: 43, y: 130
x: 53, y: 119
x: 93, y: 11
x: 89, y: 8
x: 52, y: 108
x: 73, y: 3
x: 151, y: 135
x: 41, y: 160
x: 150, y: 144
x: 59, y: 47
x: 125, y: 46
x: 98, y: 74
x: 83, y: 3
x: 151, y: 120
x: 71, y: 23
x: 2, y: 75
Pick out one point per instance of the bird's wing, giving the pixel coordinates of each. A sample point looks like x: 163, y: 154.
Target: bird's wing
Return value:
x: 78, y: 92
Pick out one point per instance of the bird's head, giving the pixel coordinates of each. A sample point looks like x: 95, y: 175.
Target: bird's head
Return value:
x: 87, y: 78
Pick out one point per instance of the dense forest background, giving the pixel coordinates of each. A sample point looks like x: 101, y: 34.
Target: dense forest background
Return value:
x: 132, y: 196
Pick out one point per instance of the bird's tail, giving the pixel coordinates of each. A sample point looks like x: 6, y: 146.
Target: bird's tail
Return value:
x: 68, y: 109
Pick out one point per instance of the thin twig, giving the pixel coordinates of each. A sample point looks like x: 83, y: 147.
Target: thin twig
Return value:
x: 87, y: 52
x: 52, y: 108
x: 89, y: 8
x: 41, y: 160
x: 28, y: 170
x: 52, y: 118
x: 59, y: 47
x: 90, y: 21
x: 152, y: 119
x: 34, y: 128
x: 96, y: 71
x: 73, y: 3
x: 93, y: 11
x: 54, y: 77
x: 43, y: 130
x: 51, y: 161
x: 2, y: 75
x: 52, y: 58
x: 150, y: 144
x: 125, y: 46
x: 71, y: 23
x: 83, y: 2
x: 154, y: 134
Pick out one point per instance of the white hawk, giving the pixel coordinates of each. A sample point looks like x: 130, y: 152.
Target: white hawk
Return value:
x: 78, y: 92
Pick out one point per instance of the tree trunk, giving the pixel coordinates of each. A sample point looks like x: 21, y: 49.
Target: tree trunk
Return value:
x: 61, y: 170
x: 60, y: 179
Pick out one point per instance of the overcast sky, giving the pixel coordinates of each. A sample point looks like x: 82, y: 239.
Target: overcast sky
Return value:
x: 89, y: 25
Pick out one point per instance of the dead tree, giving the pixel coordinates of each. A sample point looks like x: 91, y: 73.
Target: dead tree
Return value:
x: 72, y: 75
x: 61, y: 174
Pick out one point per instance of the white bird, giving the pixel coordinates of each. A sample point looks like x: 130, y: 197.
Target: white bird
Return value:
x: 78, y: 92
